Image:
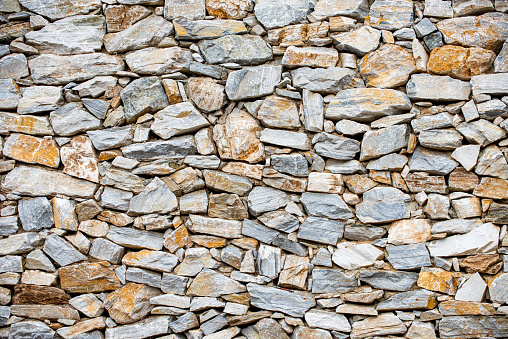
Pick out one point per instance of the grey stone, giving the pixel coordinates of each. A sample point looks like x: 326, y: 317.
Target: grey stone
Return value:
x: 495, y: 84
x: 95, y: 87
x: 152, y: 260
x: 392, y: 281
x: 279, y: 112
x: 384, y: 141
x: 11, y: 263
x: 116, y: 199
x: 492, y: 162
x: 389, y: 162
x: 178, y: 119
x: 360, y: 41
x: 230, y: 183
x: 155, y: 198
x: 269, y: 261
x: 241, y: 49
x: 325, y: 81
x: 481, y: 326
x: 213, y: 325
x: 51, y: 69
x: 38, y: 99
x: 501, y: 62
x: 58, y: 9
x: 391, y: 15
x: 31, y: 329
x: 439, y: 88
x: 383, y: 204
x: 497, y: 289
x: 321, y: 230
x: 13, y: 66
x: 417, y: 299
x: 72, y: 35
x: 492, y: 109
x: 184, y: 323
x: 280, y: 220
x: 174, y: 148
x: 19, y: 243
x: 5, y: 313
x: 206, y: 70
x: 190, y: 10
x: 363, y: 233
x: 149, y: 327
x: 195, y: 202
x: 424, y: 28
x: 290, y: 246
x: 408, y: 257
x: 9, y: 94
x: 313, y: 109
x: 454, y: 226
x: 259, y: 232
x: 293, y: 164
x: 345, y: 167
x: 35, y: 214
x: 137, y: 239
x: 266, y: 199
x: 432, y: 162
x: 37, y: 260
x: 61, y: 251
x: 326, y: 205
x: 142, y: 276
x: 20, y: 181
x: 97, y: 107
x: 209, y: 283
x: 357, y: 9
x: 367, y: 104
x: 405, y: 34
x: 142, y: 96
x: 332, y: 281
x: 104, y: 249
x: 275, y: 14
x: 72, y: 119
x: 273, y: 299
x: 327, y: 320
x: 285, y: 138
x: 158, y: 61
x: 322, y: 258
x: 335, y: 147
x: 113, y: 137
x: 252, y: 82
x: 145, y: 33
x: 350, y: 128
x: 123, y: 180
x: 442, y: 140
x: 203, y: 161
x: 8, y: 225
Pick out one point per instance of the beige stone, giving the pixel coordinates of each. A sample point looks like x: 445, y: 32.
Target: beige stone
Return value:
x: 310, y: 56
x: 325, y: 183
x: 493, y: 188
x: 206, y: 94
x: 120, y: 17
x: 409, y: 231
x: 130, y: 303
x: 295, y: 272
x: 88, y: 278
x: 79, y: 159
x: 229, y: 9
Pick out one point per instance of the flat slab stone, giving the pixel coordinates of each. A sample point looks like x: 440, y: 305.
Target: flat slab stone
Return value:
x: 157, y: 61
x: 58, y: 9
x: 88, y: 278
x: 137, y: 239
x: 326, y: 205
x: 330, y: 80
x: 9, y: 94
x: 384, y: 141
x: 383, y: 204
x: 335, y: 147
x: 387, y: 280
x: 207, y: 29
x: 383, y: 324
x: 294, y: 304
x: 479, y: 326
x: 215, y: 226
x: 252, y: 82
x: 390, y: 15
x: 332, y: 281
x: 174, y: 148
x: 439, y: 88
x: 360, y: 41
x: 321, y: 230
x: 209, y: 283
x: 32, y: 150
x: 407, y: 257
x: 274, y: 14
x: 37, y: 99
x: 310, y: 56
x: 411, y: 300
x: 241, y: 49
x: 327, y: 320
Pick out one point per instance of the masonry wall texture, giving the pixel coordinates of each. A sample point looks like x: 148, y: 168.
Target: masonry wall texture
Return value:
x: 255, y: 169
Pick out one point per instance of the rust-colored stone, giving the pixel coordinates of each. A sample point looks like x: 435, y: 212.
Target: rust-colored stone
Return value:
x: 456, y: 307
x: 462, y: 180
x: 130, y: 303
x: 88, y: 278
x: 493, y: 188
x: 229, y: 9
x: 32, y: 150
x: 208, y: 241
x: 227, y: 206
x: 439, y: 280
x: 40, y: 295
x: 179, y: 238
x: 120, y: 17
x: 483, y: 263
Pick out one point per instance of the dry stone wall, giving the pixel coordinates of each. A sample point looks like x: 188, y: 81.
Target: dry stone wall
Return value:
x: 269, y: 169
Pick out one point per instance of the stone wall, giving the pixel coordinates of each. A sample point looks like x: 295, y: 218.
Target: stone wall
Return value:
x: 305, y: 169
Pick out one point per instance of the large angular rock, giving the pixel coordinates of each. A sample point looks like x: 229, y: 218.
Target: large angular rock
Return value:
x: 407, y: 257
x: 488, y: 31
x: 58, y: 9
x: 73, y: 35
x: 190, y: 10
x: 114, y: 137
x: 335, y: 147
x: 20, y: 181
x: 145, y: 33
x: 388, y: 67
x: 472, y: 7
x: 209, y: 283
x: 141, y: 96
x: 252, y: 82
x: 206, y: 94
x: 357, y: 9
x: 361, y: 41
x: 178, y: 119
x: 130, y: 303
x: 390, y: 15
x: 9, y: 94
x: 32, y: 150
x: 492, y: 188
x: 383, y: 204
x: 266, y: 199
x: 413, y: 231
x: 28, y: 124
x: 270, y: 298
x: 61, y: 251
x: 321, y: 230
x: 13, y: 66
x: 330, y: 80
x: 88, y: 278
x: 366, y: 104
x: 207, y: 29
x: 157, y: 61
x: 411, y: 300
x: 274, y: 14
x: 72, y: 119
x: 387, y: 280
x: 155, y: 198
x: 482, y: 239
x: 79, y: 159
x: 432, y: 162
x: 479, y: 326
x: 439, y: 88
x: 242, y: 49
x: 37, y: 99
x: 51, y: 69
x: 279, y: 112
x: 326, y: 205
x: 174, y: 148
x: 384, y: 141
x: 35, y: 214
x: 31, y: 329
x: 383, y: 324
x: 490, y: 84
x: 215, y: 226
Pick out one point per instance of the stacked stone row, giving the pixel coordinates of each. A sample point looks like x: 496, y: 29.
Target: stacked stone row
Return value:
x: 278, y: 169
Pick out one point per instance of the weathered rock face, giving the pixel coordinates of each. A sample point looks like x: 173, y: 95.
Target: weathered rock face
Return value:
x: 266, y: 169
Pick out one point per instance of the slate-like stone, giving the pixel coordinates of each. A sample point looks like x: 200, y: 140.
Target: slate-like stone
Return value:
x: 137, y: 239
x: 390, y: 15
x: 31, y: 329
x: 479, y: 326
x: 72, y: 119
x: 190, y: 10
x: 274, y: 14
x: 321, y: 230
x: 130, y: 303
x: 113, y: 137
x: 360, y: 41
x: 252, y: 82
x: 241, y: 49
x: 432, y: 162
x: 209, y: 283
x: 270, y: 298
x: 335, y: 147
x: 383, y: 204
x: 330, y: 80
x: 58, y: 9
x: 285, y: 138
x: 392, y: 281
x: 9, y: 94
x: 384, y: 141
x: 32, y: 150
x: 141, y: 96
x: 332, y: 281
x: 438, y: 88
x: 61, y: 251
x: 155, y: 198
x: 158, y: 61
x: 13, y: 66
x: 408, y: 257
x: 411, y: 300
x: 174, y: 148
x: 326, y: 205
x: 37, y: 99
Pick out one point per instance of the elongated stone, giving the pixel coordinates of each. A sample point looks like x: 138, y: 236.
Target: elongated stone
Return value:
x: 335, y: 147
x: 390, y: 15
x: 207, y: 29
x: 270, y: 298
x: 480, y: 326
x: 61, y: 251
x: 215, y: 226
x: 191, y: 10
x: 58, y: 9
x: 88, y: 278
x: 330, y: 80
x: 174, y: 148
x: 439, y: 88
x: 227, y: 182
x: 332, y: 281
x: 411, y: 300
x: 285, y: 138
x: 393, y: 281
x: 209, y: 283
x: 383, y: 324
x: 360, y: 41
x: 253, y: 51
x: 157, y: 61
x: 252, y: 82
x: 136, y: 239
x: 149, y: 327
x: 32, y: 150
x: 406, y: 257
x: 383, y: 204
x: 130, y: 303
x: 279, y: 14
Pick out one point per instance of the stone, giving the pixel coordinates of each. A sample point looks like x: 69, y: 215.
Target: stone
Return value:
x: 279, y: 14
x: 383, y: 324
x: 492, y: 162
x: 61, y: 251
x: 88, y: 278
x: 184, y: 323
x: 258, y: 231
x: 229, y: 9
x: 468, y: 7
x: 392, y: 281
x: 438, y: 9
x: 43, y: 295
x: 416, y: 299
x: 497, y: 289
x: 443, y: 140
x: 384, y: 141
x: 254, y: 50
x: 424, y: 123
x: 130, y: 303
x: 207, y: 29
x: 383, y: 204
x: 352, y: 256
x: 29, y: 329
x: 439, y: 280
x: 394, y: 58
x: 95, y: 87
x: 136, y: 239
x: 79, y: 159
x: 43, y: 312
x: 157, y: 61
x: 473, y: 289
x: 280, y: 220
x: 459, y: 62
x: 360, y: 41
x: 432, y: 162
x: 13, y: 66
x: 285, y: 138
x: 19, y: 243
x: 331, y: 80
x: 237, y: 138
x: 192, y: 10
x: 58, y: 9
x: 467, y: 156
x: 32, y: 150
x: 11, y: 263
x: 486, y: 31
x: 64, y: 214
x: 88, y: 304
x: 327, y: 320
x: 492, y: 188
x: 143, y: 96
x: 97, y: 107
x: 227, y: 182
x: 293, y: 164
x: 215, y: 226
x: 74, y: 35
x: 323, y: 182
x: 310, y: 56
x: 269, y: 261
x: 335, y: 147
x: 39, y: 99
x: 330, y: 231
x: 227, y: 206
x: 332, y: 281
x: 423, y: 182
x: 501, y: 62
x: 423, y: 87
x: 145, y: 33
x: 390, y: 15
x: 484, y: 263
x: 106, y: 250
x: 155, y: 198
x: 51, y: 69
x: 482, y: 239
x: 489, y: 84
x: 121, y: 17
x: 366, y: 104
x: 270, y: 298
x: 113, y: 137
x: 252, y: 82
x: 453, y: 307
x: 325, y: 205
x: 279, y: 112
x: 209, y: 283
x: 479, y: 326
x: 404, y: 232
x: 9, y: 94
x: 72, y: 119
x: 206, y: 94
x: 151, y: 326
x: 115, y: 198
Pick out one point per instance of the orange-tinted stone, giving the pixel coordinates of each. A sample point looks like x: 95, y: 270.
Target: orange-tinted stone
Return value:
x: 460, y: 62
x: 88, y: 278
x: 439, y: 280
x: 32, y: 150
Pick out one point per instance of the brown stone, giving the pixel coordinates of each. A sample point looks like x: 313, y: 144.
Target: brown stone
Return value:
x: 227, y: 206
x: 40, y: 295
x: 467, y: 207
x: 359, y: 184
x: 387, y: 67
x: 237, y: 138
x: 483, y: 263
x: 456, y: 307
x: 172, y: 91
x: 116, y: 218
x: 29, y: 124
x: 120, y: 17
x: 439, y: 280
x: 423, y: 182
x: 32, y: 150
x: 88, y: 278
x: 297, y: 35
x: 284, y: 182
x: 13, y: 30
x: 108, y: 155
x: 493, y: 188
x: 130, y: 303
x: 44, y: 312
x: 243, y: 169
x: 363, y: 297
x: 179, y: 238
x: 310, y: 56
x: 462, y: 180
x: 229, y: 9
x: 248, y: 318
x: 459, y: 62
x: 83, y: 327
x: 295, y: 272
x: 208, y: 241
x: 78, y: 157
x: 205, y: 93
